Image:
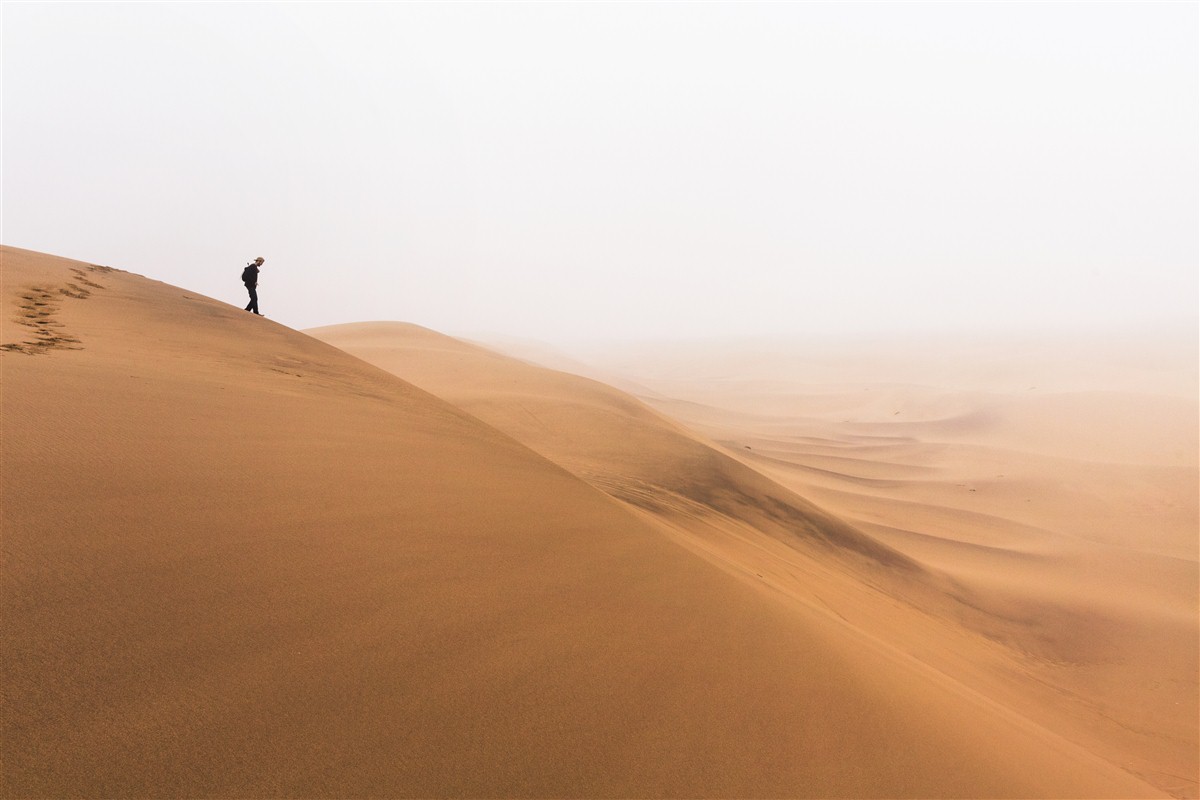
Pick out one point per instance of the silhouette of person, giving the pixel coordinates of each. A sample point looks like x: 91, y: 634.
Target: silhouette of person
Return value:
x: 250, y: 278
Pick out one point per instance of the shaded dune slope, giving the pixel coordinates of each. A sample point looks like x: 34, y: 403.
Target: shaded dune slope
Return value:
x: 1066, y: 519
x: 608, y: 438
x: 239, y: 562
x: 995, y: 641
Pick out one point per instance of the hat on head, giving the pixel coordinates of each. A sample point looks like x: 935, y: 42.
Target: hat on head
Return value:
x: 259, y: 260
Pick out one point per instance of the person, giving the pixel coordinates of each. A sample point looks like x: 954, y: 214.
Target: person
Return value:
x: 250, y: 278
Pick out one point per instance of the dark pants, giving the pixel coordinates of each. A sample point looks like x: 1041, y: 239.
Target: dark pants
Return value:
x: 253, y: 290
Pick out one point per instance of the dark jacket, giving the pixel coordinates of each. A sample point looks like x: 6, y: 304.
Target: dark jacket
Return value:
x: 250, y: 274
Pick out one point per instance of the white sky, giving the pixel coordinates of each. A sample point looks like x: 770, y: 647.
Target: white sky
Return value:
x: 574, y: 171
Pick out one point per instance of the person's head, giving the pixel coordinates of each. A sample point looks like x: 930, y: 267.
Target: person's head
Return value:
x: 259, y: 260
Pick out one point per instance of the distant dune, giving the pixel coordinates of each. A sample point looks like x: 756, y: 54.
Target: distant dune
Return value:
x: 1054, y: 480
x: 604, y: 436
x: 239, y: 561
x: 928, y: 603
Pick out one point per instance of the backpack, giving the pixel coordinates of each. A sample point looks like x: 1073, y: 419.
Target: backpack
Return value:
x: 249, y: 274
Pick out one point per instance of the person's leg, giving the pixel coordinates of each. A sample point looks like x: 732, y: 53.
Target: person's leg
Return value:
x: 253, y: 306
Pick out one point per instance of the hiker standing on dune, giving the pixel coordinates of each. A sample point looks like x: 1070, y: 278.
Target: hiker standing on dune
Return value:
x: 250, y: 278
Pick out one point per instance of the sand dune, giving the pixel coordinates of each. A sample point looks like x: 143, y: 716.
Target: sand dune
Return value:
x: 604, y: 436
x: 1060, y: 493
x: 551, y: 411
x: 241, y: 562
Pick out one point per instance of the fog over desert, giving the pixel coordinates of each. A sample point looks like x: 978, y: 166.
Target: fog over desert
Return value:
x: 376, y: 560
x: 600, y: 400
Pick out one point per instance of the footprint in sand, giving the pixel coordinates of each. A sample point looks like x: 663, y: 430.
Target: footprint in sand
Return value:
x: 38, y: 309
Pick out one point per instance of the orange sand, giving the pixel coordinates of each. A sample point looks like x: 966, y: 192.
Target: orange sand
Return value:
x: 241, y: 562
x: 1044, y: 636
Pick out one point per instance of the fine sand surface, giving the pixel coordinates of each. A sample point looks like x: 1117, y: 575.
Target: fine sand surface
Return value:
x: 1053, y: 479
x: 1044, y: 635
x: 238, y: 561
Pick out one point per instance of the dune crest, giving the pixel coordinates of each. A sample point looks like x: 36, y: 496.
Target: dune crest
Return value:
x: 604, y: 436
x: 950, y: 609
x: 1053, y: 480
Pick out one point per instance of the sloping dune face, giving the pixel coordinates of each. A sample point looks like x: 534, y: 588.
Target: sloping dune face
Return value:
x: 607, y: 438
x: 1054, y: 480
x: 924, y: 608
x: 240, y: 562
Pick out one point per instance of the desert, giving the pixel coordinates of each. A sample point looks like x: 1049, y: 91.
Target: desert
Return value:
x: 375, y: 560
x: 696, y: 399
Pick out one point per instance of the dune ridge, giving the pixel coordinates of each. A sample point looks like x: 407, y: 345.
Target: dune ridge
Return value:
x: 604, y: 436
x: 239, y: 561
x: 977, y: 619
x: 1056, y: 482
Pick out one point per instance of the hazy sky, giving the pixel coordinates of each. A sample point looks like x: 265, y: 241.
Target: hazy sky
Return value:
x: 574, y: 171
